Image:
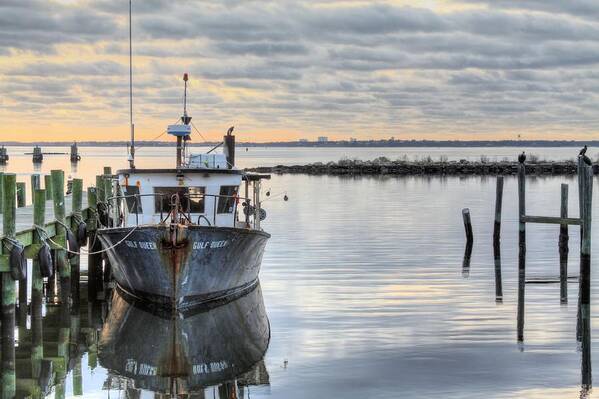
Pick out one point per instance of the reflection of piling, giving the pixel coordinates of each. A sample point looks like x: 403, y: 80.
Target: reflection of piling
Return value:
x: 467, y: 257
x: 8, y: 292
x: 498, y: 206
x: 467, y: 224
x: 521, y: 291
x: 563, y: 246
x: 498, y: 282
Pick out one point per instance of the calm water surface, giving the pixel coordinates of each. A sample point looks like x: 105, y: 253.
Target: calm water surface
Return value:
x: 363, y: 286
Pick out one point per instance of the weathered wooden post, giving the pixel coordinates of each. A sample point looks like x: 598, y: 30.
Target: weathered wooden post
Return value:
x: 108, y: 193
x: 77, y: 206
x: 498, y: 279
x: 21, y: 195
x: 35, y: 185
x: 1, y: 193
x: 8, y: 292
x: 48, y: 186
x: 37, y: 287
x: 94, y: 260
x: 498, y: 206
x: 563, y: 246
x: 585, y: 271
x: 64, y: 267
x: 521, y: 204
x: 467, y: 224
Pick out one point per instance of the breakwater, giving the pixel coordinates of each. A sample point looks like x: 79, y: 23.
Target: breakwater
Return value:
x: 407, y: 168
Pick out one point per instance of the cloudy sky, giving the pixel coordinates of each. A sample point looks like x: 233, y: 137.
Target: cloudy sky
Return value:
x: 289, y: 69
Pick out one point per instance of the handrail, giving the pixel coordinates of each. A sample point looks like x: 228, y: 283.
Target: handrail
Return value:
x: 186, y: 213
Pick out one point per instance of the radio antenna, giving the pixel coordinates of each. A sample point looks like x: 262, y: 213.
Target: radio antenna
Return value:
x: 132, y: 147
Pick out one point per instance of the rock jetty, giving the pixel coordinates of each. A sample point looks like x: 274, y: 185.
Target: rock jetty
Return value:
x: 383, y: 166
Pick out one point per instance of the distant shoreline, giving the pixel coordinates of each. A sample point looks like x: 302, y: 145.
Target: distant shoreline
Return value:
x: 383, y: 166
x: 332, y: 144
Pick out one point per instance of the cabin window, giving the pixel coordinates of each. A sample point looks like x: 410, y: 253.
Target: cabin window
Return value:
x: 226, y: 202
x: 191, y: 198
x: 133, y: 203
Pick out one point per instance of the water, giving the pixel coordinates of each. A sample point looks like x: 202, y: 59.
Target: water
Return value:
x: 364, y: 290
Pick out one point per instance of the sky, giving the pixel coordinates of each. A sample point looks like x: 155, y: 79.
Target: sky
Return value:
x: 289, y: 69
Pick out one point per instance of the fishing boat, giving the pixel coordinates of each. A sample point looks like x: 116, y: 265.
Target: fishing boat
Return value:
x: 221, y: 346
x: 185, y: 235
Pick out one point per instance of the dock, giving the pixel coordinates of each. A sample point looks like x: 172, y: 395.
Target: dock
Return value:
x: 57, y: 225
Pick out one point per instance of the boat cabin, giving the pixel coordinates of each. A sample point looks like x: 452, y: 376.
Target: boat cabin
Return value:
x: 208, y: 192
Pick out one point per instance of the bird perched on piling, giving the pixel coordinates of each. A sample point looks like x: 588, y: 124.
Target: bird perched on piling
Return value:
x: 522, y: 157
x: 583, y: 151
x: 230, y: 130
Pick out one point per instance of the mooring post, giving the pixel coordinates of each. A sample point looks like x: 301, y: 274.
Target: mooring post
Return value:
x: 76, y: 260
x: 94, y: 260
x: 1, y: 193
x: 64, y: 267
x: 48, y: 186
x: 498, y: 206
x: 21, y: 195
x: 521, y: 204
x: 8, y: 292
x: 498, y: 280
x: 466, y: 261
x: 111, y: 216
x: 585, y: 272
x: 35, y: 185
x: 467, y: 224
x: 37, y: 287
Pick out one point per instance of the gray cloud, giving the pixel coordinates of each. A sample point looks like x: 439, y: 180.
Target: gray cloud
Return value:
x: 305, y: 65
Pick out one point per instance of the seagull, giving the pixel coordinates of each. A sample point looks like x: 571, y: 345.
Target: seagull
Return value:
x: 583, y: 151
x: 522, y: 157
x: 230, y: 130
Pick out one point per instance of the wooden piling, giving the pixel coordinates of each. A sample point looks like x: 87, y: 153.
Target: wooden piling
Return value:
x: 521, y: 204
x: 108, y: 193
x: 48, y: 186
x: 35, y: 185
x: 21, y: 195
x: 521, y: 292
x: 498, y: 206
x: 77, y: 205
x: 64, y: 267
x: 8, y: 292
x: 94, y: 261
x: 37, y: 287
x: 1, y: 193
x: 466, y: 261
x: 585, y: 271
x: 467, y: 224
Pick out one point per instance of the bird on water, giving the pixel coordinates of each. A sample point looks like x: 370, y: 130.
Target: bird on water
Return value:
x: 522, y: 157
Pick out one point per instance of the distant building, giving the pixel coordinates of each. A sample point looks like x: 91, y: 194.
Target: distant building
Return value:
x: 323, y: 139
x: 353, y: 140
x: 303, y: 140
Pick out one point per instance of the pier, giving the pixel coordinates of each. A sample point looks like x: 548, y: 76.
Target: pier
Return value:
x: 43, y: 232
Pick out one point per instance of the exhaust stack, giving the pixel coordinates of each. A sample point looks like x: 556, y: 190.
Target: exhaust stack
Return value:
x: 229, y: 147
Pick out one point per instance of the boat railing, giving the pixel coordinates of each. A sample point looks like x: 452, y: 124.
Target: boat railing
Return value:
x: 114, y: 212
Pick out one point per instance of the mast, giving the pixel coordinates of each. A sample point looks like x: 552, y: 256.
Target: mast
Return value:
x: 132, y: 126
x: 185, y: 119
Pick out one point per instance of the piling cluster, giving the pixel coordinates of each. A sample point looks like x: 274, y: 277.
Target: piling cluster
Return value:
x: 50, y: 234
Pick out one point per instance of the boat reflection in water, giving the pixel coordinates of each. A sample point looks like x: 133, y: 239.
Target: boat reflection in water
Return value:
x: 183, y: 354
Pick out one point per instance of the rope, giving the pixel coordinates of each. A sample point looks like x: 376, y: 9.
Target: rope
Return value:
x: 39, y: 228
x: 196, y: 129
